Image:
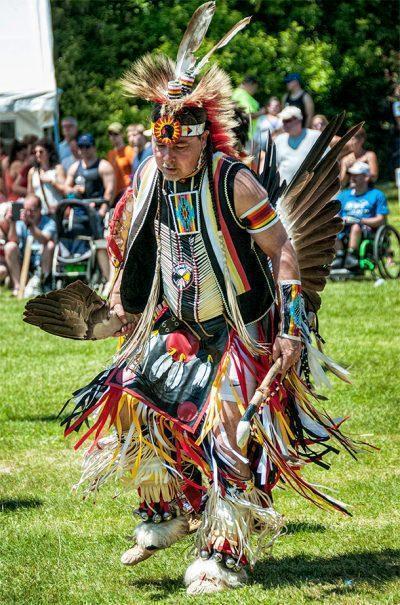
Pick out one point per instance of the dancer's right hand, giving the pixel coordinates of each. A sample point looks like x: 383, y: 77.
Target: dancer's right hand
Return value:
x: 128, y: 326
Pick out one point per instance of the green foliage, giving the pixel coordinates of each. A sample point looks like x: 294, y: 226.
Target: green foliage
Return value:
x: 341, y: 48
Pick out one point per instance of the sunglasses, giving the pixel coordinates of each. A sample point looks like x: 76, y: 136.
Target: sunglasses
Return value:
x: 113, y: 134
x: 289, y: 120
x: 85, y: 146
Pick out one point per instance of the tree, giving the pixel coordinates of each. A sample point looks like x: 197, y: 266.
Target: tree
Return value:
x: 343, y: 50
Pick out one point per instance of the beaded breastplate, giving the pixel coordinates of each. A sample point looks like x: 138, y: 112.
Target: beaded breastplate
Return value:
x: 189, y: 283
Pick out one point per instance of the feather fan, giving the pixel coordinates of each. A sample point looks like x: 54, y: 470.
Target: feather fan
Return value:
x: 307, y: 207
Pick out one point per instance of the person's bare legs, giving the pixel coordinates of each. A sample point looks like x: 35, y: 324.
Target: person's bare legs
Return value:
x: 11, y: 255
x: 3, y: 272
x: 47, y: 258
x: 355, y: 237
x: 102, y: 259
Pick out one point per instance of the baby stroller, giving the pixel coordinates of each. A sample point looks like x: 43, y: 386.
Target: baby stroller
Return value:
x: 78, y: 226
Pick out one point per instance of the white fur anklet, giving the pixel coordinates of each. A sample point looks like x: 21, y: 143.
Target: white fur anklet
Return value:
x: 151, y: 537
x: 206, y: 577
x: 161, y: 535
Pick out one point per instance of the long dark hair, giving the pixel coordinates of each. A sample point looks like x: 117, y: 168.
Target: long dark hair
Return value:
x: 16, y: 147
x: 51, y: 151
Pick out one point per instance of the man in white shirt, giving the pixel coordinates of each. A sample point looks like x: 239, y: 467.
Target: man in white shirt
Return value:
x: 293, y: 145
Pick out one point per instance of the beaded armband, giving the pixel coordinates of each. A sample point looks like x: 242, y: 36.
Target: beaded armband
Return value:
x: 259, y: 218
x: 291, y: 309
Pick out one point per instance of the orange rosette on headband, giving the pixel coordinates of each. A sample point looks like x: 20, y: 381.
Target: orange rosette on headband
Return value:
x: 167, y: 130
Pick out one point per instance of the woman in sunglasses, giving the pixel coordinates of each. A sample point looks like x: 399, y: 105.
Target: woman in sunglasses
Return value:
x: 46, y: 178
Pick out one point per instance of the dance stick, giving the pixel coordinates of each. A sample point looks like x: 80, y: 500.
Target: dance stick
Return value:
x: 25, y: 266
x: 243, y: 428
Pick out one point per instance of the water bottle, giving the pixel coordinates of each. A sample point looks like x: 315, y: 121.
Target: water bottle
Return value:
x: 80, y: 180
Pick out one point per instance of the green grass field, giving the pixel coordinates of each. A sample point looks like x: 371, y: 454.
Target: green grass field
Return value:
x: 57, y: 549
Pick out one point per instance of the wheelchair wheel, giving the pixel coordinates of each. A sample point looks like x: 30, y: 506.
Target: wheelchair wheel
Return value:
x: 387, y: 252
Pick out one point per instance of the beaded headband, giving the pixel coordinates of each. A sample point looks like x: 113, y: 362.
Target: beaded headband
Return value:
x: 167, y: 130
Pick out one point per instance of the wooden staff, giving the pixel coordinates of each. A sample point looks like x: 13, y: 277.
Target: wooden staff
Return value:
x: 25, y: 266
x: 243, y: 428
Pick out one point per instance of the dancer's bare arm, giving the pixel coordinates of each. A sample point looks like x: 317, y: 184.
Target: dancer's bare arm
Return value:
x: 275, y: 243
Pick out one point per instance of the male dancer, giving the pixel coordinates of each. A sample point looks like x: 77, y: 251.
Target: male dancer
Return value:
x: 208, y: 295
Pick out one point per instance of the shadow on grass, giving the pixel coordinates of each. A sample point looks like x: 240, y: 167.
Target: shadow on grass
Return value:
x: 372, y: 567
x: 158, y: 588
x: 296, y: 528
x: 12, y: 505
x: 49, y: 418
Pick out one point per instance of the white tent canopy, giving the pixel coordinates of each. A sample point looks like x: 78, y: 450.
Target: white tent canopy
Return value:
x: 28, y: 91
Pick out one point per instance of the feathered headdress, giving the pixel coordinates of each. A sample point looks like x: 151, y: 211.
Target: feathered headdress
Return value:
x: 172, y: 86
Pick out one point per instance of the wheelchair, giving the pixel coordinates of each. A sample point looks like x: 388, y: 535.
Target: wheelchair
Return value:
x: 78, y: 229
x: 379, y: 254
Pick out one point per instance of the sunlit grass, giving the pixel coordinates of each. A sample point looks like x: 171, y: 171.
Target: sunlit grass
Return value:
x: 55, y: 548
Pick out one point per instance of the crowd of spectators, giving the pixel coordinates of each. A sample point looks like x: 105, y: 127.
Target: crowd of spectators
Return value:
x: 34, y: 177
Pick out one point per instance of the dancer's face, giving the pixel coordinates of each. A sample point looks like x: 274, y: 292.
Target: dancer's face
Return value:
x: 181, y: 159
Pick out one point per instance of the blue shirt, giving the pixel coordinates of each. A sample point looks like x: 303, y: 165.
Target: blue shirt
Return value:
x: 46, y: 224
x: 366, y: 205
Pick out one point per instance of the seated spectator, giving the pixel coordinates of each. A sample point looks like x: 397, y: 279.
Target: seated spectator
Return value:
x: 297, y: 97
x: 293, y: 145
x: 11, y: 167
x: 93, y: 178
x: 363, y: 210
x: 69, y: 129
x: 268, y: 123
x: 142, y: 149
x: 20, y: 186
x: 4, y: 228
x: 46, y: 178
x: 359, y: 154
x: 43, y: 230
x: 121, y: 158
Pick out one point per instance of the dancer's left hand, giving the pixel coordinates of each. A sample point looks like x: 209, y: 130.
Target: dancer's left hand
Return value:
x: 289, y: 350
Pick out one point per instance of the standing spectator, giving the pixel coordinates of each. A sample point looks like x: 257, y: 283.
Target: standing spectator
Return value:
x: 268, y: 123
x: 243, y: 96
x: 121, y: 158
x: 46, y: 178
x: 395, y: 107
x: 298, y: 97
x: 11, y: 167
x: 43, y: 230
x: 69, y: 129
x: 359, y: 154
x: 293, y: 145
x: 142, y: 149
x: 320, y: 122
x: 20, y: 186
x: 91, y: 177
x: 67, y: 162
x: 363, y: 210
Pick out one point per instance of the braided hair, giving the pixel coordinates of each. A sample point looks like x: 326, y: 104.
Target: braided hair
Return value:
x: 210, y: 174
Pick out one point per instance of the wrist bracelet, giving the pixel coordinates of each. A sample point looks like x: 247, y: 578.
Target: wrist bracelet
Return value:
x: 291, y: 307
